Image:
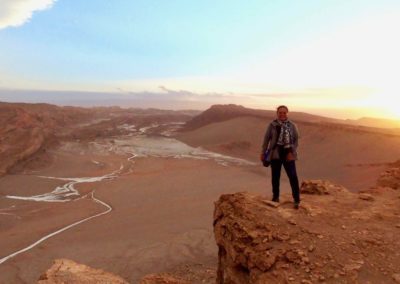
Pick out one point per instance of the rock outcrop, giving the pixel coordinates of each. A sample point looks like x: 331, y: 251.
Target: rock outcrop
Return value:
x: 21, y: 135
x: 27, y: 129
x: 320, y: 187
x: 66, y: 271
x: 390, y: 178
x: 335, y: 237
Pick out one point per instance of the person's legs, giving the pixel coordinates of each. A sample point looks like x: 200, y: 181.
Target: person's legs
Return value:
x: 290, y: 168
x: 276, y: 166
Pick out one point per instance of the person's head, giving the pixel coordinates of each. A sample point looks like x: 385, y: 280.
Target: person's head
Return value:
x: 282, y: 112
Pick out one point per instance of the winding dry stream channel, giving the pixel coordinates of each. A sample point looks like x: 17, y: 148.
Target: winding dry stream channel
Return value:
x: 136, y: 145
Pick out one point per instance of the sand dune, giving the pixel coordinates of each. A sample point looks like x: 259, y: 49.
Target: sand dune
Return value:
x: 350, y: 156
x: 218, y: 113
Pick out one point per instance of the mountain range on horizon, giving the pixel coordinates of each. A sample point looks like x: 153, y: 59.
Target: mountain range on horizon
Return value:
x: 166, y: 99
x: 229, y: 110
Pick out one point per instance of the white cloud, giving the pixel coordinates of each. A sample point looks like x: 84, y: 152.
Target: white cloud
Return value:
x: 15, y: 13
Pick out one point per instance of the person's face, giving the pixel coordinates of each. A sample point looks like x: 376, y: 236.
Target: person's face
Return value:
x: 282, y: 113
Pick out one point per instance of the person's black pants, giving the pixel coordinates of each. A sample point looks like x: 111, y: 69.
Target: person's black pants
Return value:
x: 290, y: 168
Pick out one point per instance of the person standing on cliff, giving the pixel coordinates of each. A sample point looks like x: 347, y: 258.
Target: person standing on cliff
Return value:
x: 281, y: 139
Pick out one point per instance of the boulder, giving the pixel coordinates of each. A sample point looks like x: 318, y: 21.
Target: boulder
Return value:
x: 65, y: 271
x: 320, y: 187
x: 390, y: 178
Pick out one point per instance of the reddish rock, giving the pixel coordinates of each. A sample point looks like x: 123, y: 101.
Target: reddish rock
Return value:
x: 28, y: 129
x: 163, y: 278
x: 258, y: 243
x: 396, y: 277
x: 251, y: 239
x: 320, y: 187
x: 66, y: 271
x: 366, y: 197
x: 390, y: 178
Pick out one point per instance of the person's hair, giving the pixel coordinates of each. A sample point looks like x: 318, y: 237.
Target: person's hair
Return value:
x: 282, y: 106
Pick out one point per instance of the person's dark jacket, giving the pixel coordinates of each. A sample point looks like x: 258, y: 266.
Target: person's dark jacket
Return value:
x: 271, y: 138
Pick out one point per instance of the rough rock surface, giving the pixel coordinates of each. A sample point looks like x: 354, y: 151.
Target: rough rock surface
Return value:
x: 66, y: 271
x: 162, y: 279
x: 335, y: 237
x: 27, y: 129
x: 390, y: 178
x: 320, y: 187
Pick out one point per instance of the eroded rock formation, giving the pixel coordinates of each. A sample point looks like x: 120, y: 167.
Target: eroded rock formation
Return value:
x: 335, y: 237
x: 28, y: 129
x: 390, y: 178
x: 66, y: 271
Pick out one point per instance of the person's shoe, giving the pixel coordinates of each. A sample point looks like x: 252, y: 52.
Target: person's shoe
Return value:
x: 296, y: 205
x: 275, y: 199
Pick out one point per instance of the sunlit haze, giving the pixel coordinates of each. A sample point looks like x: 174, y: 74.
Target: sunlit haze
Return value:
x: 334, y: 58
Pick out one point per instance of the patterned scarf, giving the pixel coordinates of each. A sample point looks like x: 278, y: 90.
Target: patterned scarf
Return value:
x: 286, y: 136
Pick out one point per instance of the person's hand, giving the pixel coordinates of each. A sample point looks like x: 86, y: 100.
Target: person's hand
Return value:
x: 262, y: 157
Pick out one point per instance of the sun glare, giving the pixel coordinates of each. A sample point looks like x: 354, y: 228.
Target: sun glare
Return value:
x: 387, y: 103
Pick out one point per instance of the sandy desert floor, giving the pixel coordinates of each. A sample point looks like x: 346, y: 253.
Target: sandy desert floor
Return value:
x: 130, y: 205
x: 348, y: 157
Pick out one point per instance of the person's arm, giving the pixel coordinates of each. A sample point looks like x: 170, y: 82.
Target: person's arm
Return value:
x: 290, y: 154
x: 296, y: 136
x: 267, y: 139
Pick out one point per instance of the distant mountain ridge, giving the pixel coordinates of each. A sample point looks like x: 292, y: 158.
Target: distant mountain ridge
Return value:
x: 219, y: 113
x: 375, y: 122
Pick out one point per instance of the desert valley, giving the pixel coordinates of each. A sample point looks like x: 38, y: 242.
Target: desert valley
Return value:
x: 181, y: 196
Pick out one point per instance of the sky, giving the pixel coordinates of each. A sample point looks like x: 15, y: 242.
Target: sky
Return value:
x: 332, y: 57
